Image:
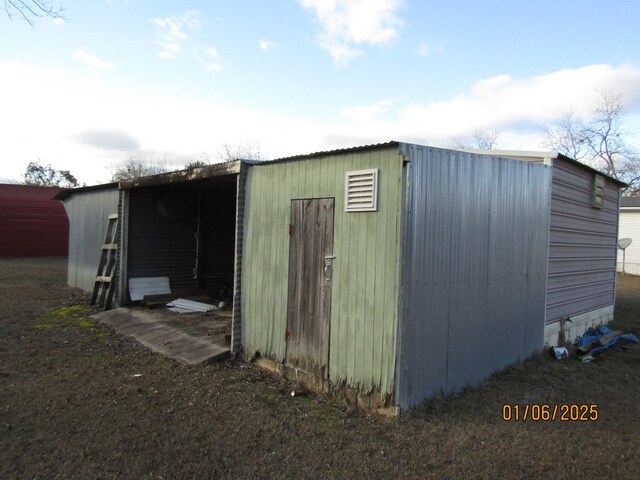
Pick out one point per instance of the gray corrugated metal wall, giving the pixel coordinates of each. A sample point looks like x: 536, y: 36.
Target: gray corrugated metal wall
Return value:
x: 582, y: 243
x: 87, y: 212
x: 160, y: 246
x: 163, y: 243
x: 473, y: 269
x: 236, y: 333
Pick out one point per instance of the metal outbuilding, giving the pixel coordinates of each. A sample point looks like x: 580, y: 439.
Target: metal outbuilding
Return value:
x: 87, y: 209
x: 583, y: 233
x: 437, y: 283
x: 461, y: 264
x: 33, y: 223
x: 388, y: 272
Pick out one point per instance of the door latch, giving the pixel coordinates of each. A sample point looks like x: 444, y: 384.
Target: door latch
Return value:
x: 328, y: 261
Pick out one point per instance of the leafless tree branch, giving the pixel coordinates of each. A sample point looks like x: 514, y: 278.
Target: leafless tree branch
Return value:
x: 599, y: 141
x: 484, y: 139
x: 29, y: 10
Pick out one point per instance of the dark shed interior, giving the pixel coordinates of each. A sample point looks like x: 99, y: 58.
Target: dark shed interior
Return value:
x: 185, y: 232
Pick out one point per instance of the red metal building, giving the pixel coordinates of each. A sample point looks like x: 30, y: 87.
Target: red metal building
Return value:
x: 32, y: 223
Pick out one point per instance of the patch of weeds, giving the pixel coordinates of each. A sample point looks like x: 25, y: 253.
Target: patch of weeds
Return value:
x: 68, y: 311
x: 76, y: 315
x: 86, y: 324
x: 44, y: 325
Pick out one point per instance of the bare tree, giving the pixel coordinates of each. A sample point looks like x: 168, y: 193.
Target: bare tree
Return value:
x: 29, y: 10
x: 139, y: 165
x: 567, y: 137
x: 484, y: 139
x: 599, y: 141
x: 240, y: 152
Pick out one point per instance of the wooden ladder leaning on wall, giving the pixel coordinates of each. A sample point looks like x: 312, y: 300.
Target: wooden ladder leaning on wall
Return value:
x: 105, y: 285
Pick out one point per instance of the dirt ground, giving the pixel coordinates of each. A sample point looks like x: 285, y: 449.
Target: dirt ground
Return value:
x: 78, y: 401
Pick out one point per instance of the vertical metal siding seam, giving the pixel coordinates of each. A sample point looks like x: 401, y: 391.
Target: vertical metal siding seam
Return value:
x: 123, y: 247
x: 405, y: 255
x: 236, y: 329
x: 548, y: 244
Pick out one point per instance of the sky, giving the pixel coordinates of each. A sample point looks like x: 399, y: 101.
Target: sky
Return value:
x: 175, y: 81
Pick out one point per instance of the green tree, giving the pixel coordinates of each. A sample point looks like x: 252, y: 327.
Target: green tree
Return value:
x: 196, y: 164
x: 47, y: 176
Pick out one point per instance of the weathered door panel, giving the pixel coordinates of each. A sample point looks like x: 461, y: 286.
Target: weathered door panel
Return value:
x: 310, y: 270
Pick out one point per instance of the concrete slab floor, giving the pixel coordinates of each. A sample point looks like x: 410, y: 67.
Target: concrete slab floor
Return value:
x: 189, y: 338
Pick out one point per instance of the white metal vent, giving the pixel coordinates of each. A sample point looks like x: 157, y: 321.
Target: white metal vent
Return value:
x: 361, y: 191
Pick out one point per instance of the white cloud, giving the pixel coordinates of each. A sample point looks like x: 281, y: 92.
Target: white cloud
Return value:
x: 427, y: 49
x: 516, y: 106
x: 266, y: 45
x: 175, y: 37
x: 423, y: 50
x: 90, y: 60
x: 75, y: 121
x: 208, y: 59
x: 347, y: 25
x: 365, y: 113
x: 173, y: 33
x: 47, y: 113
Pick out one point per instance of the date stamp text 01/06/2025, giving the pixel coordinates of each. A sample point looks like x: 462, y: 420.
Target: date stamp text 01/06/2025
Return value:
x: 541, y: 412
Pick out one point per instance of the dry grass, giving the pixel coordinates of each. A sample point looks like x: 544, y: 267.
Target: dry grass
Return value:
x: 71, y: 406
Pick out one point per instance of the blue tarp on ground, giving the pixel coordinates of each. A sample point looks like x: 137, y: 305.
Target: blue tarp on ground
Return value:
x: 595, y: 335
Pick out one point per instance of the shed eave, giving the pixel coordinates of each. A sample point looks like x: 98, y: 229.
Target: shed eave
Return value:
x: 67, y: 192
x: 513, y: 153
x: 326, y: 153
x: 546, y: 157
x: 182, y: 176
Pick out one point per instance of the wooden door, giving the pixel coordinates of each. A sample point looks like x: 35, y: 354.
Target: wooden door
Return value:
x: 310, y: 271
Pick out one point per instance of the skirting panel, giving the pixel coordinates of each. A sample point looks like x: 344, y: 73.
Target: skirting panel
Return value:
x: 577, y: 325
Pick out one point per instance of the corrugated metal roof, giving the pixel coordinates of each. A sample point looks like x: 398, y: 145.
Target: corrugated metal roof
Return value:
x: 67, y: 192
x: 326, y: 153
x: 629, y: 202
x: 533, y: 155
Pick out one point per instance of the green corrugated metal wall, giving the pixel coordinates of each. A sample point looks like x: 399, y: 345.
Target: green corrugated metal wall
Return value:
x: 364, y: 306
